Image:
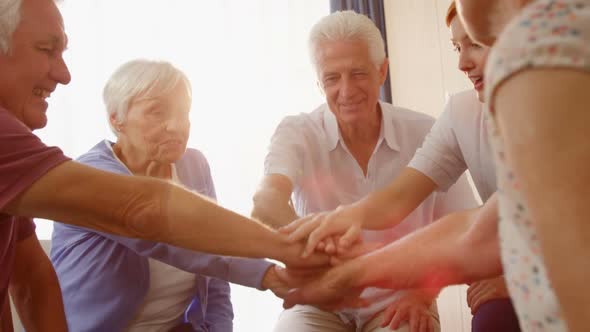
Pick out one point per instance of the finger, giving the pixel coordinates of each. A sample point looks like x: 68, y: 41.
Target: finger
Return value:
x: 474, y: 289
x: 358, y: 250
x: 414, y: 322
x: 292, y: 226
x: 388, y: 315
x: 321, y: 246
x: 304, y: 228
x: 330, y: 246
x: 477, y: 303
x: 319, y: 233
x: 397, y: 319
x: 351, y: 235
x: 473, y: 293
x: 426, y: 324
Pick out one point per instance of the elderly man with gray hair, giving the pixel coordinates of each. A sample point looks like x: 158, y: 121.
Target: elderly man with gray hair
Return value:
x: 40, y: 181
x: 339, y: 153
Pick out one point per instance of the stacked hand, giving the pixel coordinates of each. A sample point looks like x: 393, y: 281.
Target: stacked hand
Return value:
x: 332, y: 232
x: 413, y: 307
x: 318, y: 249
x: 486, y: 290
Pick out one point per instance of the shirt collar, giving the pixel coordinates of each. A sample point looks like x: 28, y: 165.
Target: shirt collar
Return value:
x: 387, y: 128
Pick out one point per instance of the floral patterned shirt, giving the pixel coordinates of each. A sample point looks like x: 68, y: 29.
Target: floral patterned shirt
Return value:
x: 546, y: 34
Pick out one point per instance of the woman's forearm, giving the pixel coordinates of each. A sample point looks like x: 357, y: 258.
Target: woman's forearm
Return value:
x: 388, y: 207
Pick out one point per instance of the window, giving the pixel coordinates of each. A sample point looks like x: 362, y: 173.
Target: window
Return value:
x: 249, y: 67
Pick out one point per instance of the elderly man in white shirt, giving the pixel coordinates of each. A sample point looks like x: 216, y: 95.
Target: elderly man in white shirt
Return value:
x: 341, y: 152
x: 457, y: 141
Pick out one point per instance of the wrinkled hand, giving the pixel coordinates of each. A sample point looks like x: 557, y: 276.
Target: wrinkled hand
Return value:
x: 414, y: 308
x: 486, y: 290
x: 345, y: 221
x: 290, y: 254
x: 332, y: 290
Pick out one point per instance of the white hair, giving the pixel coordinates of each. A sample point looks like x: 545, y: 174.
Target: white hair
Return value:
x: 9, y: 20
x: 139, y: 79
x: 347, y: 25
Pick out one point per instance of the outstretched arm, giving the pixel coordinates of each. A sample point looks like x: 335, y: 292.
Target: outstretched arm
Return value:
x: 458, y: 248
x: 151, y: 209
x: 379, y: 210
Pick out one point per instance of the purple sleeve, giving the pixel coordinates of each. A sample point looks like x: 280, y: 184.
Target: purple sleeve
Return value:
x: 220, y: 314
x: 23, y: 158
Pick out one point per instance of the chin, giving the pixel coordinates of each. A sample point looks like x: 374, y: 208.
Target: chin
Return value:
x: 480, y: 96
x: 36, y: 123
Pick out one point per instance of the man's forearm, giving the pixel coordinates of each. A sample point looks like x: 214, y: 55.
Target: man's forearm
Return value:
x: 38, y: 300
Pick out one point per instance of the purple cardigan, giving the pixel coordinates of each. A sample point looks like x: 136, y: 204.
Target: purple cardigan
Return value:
x: 104, y: 277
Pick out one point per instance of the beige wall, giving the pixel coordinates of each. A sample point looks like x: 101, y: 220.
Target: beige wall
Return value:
x: 423, y: 70
x: 423, y: 65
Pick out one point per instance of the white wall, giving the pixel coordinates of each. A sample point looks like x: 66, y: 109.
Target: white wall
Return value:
x: 423, y: 69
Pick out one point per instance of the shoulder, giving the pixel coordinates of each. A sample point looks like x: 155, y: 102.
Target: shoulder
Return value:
x: 101, y: 156
x: 463, y: 104
x: 547, y: 33
x: 312, y: 120
x: 403, y: 117
x: 193, y: 163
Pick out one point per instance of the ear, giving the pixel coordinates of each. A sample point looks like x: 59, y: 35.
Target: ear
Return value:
x: 115, y: 123
x: 320, y: 88
x: 383, y: 69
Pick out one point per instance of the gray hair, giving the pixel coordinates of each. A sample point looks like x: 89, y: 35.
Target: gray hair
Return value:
x: 347, y: 25
x: 140, y: 79
x: 9, y: 20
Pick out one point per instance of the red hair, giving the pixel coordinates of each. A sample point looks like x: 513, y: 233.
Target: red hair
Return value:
x: 451, y: 13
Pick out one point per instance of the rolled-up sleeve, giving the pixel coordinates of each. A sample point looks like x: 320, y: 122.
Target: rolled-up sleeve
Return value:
x: 285, y: 152
x: 440, y: 156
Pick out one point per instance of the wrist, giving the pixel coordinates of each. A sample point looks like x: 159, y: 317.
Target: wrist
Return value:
x: 268, y: 277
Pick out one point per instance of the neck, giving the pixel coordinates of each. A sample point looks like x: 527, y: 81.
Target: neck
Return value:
x: 362, y: 133
x: 139, y: 165
x: 361, y: 138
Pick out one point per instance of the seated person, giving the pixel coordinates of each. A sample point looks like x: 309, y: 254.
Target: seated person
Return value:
x: 114, y: 283
x: 457, y: 141
x: 39, y: 181
x: 342, y: 151
x: 535, y: 228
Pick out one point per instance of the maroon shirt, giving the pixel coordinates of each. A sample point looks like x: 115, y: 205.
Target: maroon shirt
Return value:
x: 23, y: 160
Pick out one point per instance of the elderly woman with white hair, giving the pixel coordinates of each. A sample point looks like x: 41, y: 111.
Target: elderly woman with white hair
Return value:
x: 114, y: 283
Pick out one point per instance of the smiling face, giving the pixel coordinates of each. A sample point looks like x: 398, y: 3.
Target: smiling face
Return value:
x: 34, y: 66
x: 472, y: 56
x: 350, y: 80
x: 156, y: 128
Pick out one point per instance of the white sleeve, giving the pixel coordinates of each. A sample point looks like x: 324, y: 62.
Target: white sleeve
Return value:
x: 286, y: 149
x: 440, y: 156
x: 459, y: 197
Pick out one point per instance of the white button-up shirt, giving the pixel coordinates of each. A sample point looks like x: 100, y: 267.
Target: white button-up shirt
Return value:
x: 309, y: 150
x: 459, y: 141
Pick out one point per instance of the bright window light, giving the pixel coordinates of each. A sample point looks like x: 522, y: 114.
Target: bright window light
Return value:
x: 249, y: 67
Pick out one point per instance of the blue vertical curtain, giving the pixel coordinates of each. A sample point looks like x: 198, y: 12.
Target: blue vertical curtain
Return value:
x: 375, y: 11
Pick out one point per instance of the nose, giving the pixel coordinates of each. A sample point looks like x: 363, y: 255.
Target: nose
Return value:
x: 60, y: 72
x: 465, y: 62
x: 177, y: 122
x: 347, y: 87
